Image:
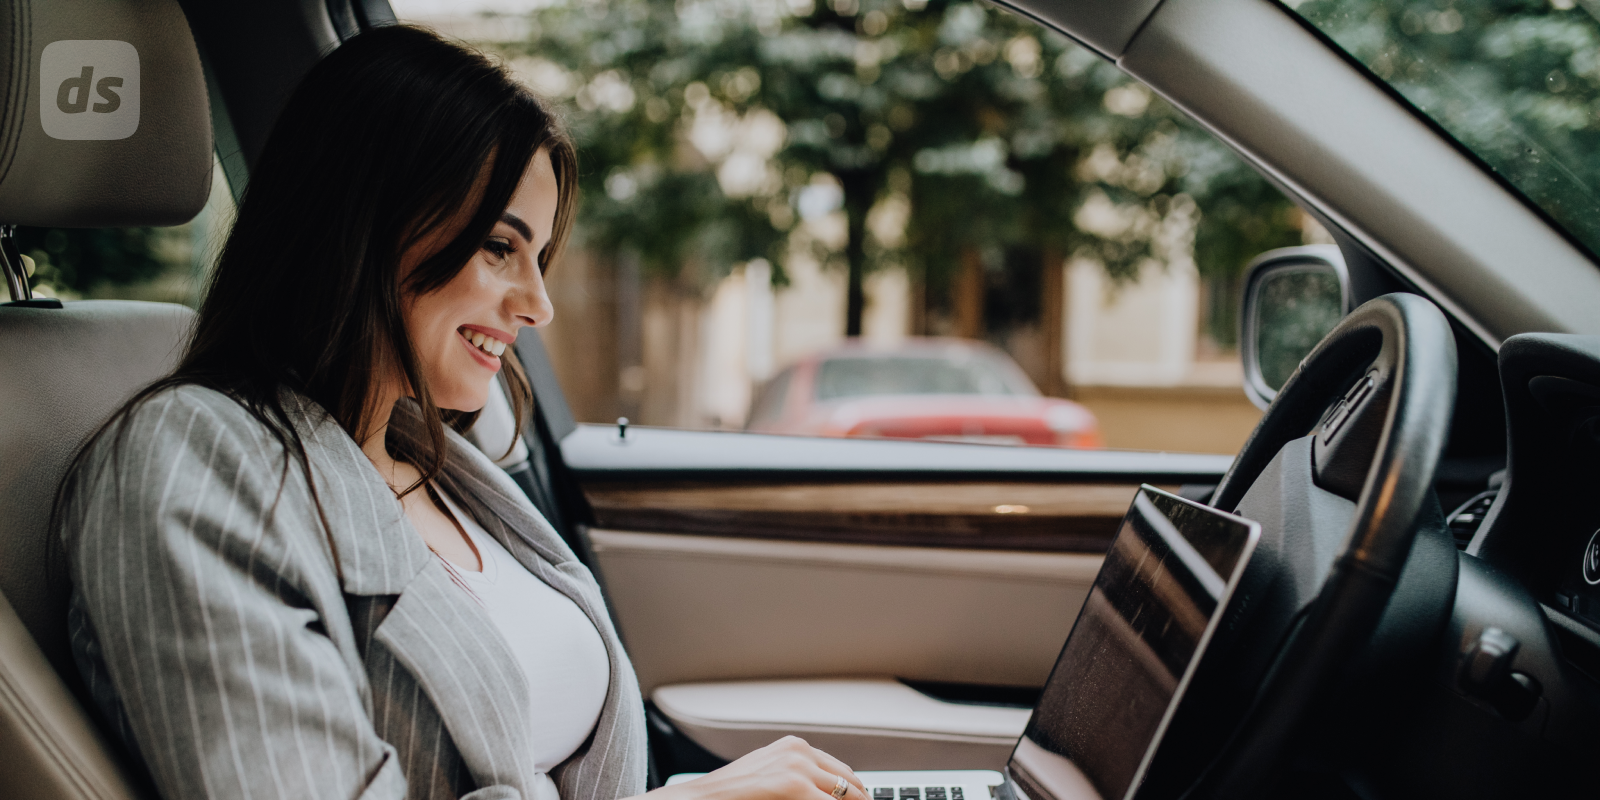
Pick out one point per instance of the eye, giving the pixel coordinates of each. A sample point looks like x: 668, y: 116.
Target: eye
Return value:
x: 501, y: 249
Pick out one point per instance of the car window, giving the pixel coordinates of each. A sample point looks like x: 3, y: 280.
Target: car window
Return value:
x: 770, y: 183
x: 859, y: 377
x: 168, y: 264
x: 1517, y: 83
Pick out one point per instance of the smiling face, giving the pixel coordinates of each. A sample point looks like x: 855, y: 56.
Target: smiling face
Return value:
x: 461, y: 330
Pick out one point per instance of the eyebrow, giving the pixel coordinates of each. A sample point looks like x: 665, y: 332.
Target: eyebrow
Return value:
x: 518, y: 225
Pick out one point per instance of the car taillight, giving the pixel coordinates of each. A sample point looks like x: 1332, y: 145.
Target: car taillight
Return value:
x: 1082, y: 440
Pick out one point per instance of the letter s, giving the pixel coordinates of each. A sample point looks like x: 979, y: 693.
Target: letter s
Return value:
x: 113, y: 102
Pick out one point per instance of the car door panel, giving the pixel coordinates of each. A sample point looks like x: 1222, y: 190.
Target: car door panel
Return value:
x: 706, y: 608
x: 748, y: 570
x: 769, y: 571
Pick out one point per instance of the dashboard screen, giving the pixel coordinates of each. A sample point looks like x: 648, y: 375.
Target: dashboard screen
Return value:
x: 1163, y: 588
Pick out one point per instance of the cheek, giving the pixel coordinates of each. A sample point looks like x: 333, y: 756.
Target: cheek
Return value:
x: 431, y: 320
x: 426, y: 322
x: 467, y: 294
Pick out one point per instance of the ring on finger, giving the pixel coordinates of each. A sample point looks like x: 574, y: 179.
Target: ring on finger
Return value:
x: 840, y: 787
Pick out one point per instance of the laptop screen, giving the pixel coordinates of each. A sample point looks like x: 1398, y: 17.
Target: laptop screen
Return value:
x: 1163, y: 588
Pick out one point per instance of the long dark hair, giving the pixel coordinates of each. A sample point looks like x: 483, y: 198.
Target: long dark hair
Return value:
x: 389, y: 138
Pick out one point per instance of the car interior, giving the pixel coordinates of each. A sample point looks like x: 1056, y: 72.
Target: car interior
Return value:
x: 1422, y: 617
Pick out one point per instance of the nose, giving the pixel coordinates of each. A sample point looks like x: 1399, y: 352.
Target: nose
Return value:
x: 529, y: 301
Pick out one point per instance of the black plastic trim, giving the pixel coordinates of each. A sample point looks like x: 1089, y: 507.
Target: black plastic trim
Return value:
x: 672, y: 751
x: 373, y: 13
x: 978, y: 694
x: 550, y: 401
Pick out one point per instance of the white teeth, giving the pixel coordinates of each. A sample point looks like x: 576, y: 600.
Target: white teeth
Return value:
x: 487, y: 344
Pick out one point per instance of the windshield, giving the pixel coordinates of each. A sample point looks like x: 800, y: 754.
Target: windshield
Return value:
x: 1518, y: 83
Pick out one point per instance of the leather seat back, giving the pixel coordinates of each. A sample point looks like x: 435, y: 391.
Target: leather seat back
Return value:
x: 105, y: 123
x: 62, y: 372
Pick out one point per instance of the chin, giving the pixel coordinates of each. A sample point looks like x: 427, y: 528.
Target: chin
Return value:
x: 463, y: 398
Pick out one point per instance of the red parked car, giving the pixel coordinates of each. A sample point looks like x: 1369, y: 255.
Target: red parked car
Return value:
x: 945, y: 389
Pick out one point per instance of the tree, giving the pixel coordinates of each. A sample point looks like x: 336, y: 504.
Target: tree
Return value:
x: 995, y: 134
x: 1517, y: 81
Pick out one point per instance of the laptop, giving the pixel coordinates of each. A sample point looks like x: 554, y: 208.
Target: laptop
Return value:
x: 1122, y: 675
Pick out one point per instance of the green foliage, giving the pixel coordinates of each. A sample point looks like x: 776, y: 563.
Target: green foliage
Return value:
x: 628, y: 66
x: 1517, y: 81
x: 998, y: 134
x: 1238, y: 224
x: 81, y: 259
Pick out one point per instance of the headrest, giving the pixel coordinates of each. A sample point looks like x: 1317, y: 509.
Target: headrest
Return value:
x: 104, y: 120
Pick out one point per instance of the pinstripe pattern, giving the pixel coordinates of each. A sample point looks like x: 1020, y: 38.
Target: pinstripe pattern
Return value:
x: 212, y: 629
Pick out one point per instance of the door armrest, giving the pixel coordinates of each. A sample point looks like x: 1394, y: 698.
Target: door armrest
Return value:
x: 869, y: 723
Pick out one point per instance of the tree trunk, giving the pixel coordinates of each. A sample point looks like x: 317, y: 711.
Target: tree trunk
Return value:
x: 968, y: 290
x: 1053, y: 322
x: 860, y: 192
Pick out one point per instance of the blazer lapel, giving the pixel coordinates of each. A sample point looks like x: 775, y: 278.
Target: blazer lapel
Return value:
x: 377, y: 550
x: 444, y: 638
x: 440, y: 634
x: 434, y: 628
x: 612, y: 762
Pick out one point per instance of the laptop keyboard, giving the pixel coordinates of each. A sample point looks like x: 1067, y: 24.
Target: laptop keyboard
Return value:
x: 915, y: 793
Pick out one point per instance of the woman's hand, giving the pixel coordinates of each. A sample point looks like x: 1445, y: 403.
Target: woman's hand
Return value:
x: 788, y: 769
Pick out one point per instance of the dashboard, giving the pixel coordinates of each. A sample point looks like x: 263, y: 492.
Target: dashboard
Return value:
x: 1483, y: 677
x: 1531, y: 570
x: 1543, y: 527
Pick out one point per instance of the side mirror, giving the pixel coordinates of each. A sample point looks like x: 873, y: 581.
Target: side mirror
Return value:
x: 1292, y: 298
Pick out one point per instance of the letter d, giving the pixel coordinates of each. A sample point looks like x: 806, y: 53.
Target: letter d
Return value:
x: 64, y: 94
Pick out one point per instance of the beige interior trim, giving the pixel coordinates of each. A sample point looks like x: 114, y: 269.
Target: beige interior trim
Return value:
x: 869, y: 723
x: 711, y: 608
x: 1072, y: 568
x: 47, y: 739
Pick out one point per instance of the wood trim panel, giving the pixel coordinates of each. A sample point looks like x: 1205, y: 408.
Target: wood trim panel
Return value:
x: 997, y: 515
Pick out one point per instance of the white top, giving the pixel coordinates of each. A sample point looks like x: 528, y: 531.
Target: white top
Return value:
x: 555, y: 644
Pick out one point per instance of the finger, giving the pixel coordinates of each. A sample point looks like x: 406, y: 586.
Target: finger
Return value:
x: 827, y: 780
x: 837, y: 767
x: 823, y: 784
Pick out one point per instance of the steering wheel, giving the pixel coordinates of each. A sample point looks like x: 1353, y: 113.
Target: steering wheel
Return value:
x: 1389, y: 371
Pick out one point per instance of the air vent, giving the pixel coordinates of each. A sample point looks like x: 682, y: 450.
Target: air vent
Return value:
x: 1464, y: 521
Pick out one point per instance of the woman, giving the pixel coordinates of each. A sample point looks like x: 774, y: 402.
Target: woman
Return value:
x: 292, y: 577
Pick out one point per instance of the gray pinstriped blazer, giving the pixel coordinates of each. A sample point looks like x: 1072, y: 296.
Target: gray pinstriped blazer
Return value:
x: 213, y: 632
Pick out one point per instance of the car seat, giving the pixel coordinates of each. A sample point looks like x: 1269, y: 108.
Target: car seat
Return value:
x: 104, y: 123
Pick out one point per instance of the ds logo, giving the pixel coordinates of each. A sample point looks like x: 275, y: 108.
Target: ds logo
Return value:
x: 89, y: 89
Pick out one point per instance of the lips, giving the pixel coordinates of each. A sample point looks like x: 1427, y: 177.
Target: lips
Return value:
x: 484, y: 345
x: 484, y: 342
